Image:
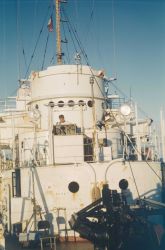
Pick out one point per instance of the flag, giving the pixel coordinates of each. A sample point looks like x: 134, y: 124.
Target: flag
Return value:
x: 50, y: 24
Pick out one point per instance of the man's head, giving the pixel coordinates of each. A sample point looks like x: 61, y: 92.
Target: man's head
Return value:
x: 61, y: 118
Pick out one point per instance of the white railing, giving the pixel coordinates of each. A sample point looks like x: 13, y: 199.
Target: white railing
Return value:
x: 7, y: 104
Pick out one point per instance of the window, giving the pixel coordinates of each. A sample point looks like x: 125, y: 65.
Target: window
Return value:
x: 60, y: 104
x: 16, y: 183
x: 71, y: 103
x: 90, y: 104
x: 81, y: 103
x: 73, y: 187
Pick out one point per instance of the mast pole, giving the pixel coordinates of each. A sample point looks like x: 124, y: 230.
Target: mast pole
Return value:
x: 58, y: 33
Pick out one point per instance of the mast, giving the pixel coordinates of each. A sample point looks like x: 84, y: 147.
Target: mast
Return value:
x: 58, y: 33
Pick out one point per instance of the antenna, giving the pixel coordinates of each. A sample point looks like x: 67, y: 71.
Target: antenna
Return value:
x: 58, y: 32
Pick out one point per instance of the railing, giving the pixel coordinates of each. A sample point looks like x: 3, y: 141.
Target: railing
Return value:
x: 7, y: 104
x: 78, y: 148
x: 6, y: 165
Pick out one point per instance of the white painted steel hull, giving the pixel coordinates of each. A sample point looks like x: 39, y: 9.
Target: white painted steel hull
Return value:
x: 52, y: 192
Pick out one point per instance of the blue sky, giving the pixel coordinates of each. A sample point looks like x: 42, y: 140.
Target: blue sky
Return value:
x: 126, y: 37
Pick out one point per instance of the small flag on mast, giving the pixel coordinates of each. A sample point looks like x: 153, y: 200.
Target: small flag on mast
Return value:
x: 50, y: 24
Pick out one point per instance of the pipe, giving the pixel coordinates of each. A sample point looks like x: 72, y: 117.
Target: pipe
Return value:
x: 111, y: 163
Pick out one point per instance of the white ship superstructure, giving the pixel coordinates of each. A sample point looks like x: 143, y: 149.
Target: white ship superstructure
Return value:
x: 68, y: 163
x: 50, y: 167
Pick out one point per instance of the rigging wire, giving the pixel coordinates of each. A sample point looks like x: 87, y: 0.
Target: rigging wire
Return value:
x: 21, y: 41
x: 114, y: 34
x: 32, y: 56
x: 46, y: 45
x: 90, y: 20
x: 52, y: 59
x: 18, y: 38
x: 65, y: 40
x: 126, y: 96
x: 75, y: 34
x: 74, y: 31
x: 76, y: 13
x: 135, y: 148
x: 69, y: 29
x: 134, y: 179
x: 45, y: 51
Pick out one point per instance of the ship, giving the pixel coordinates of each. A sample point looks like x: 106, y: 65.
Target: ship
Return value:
x: 69, y: 135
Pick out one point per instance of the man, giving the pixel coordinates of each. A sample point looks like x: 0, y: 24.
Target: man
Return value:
x: 61, y: 129
x: 62, y: 119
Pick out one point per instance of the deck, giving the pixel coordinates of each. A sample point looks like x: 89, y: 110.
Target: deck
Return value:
x: 12, y: 244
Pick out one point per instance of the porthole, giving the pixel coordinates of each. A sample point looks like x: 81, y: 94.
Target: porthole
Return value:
x: 123, y: 184
x: 90, y: 104
x: 60, y: 104
x: 73, y: 187
x: 51, y: 104
x: 81, y: 103
x: 70, y: 103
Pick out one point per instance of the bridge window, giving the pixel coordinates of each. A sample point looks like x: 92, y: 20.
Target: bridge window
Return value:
x: 81, y: 103
x: 60, y: 104
x: 90, y: 104
x: 71, y: 103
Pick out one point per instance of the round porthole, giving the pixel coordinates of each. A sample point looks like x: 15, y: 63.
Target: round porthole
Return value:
x: 90, y: 104
x: 73, y: 187
x: 60, y: 104
x: 123, y: 184
x: 70, y: 103
x: 51, y: 104
x: 81, y: 103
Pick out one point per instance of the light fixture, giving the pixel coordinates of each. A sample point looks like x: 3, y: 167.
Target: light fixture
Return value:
x: 125, y: 110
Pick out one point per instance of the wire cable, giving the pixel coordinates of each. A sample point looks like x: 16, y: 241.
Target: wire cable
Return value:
x: 90, y: 19
x: 126, y: 96
x: 114, y: 35
x: 134, y: 180
x: 65, y: 40
x: 69, y: 29
x: 75, y: 34
x: 45, y: 51
x: 38, y: 38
